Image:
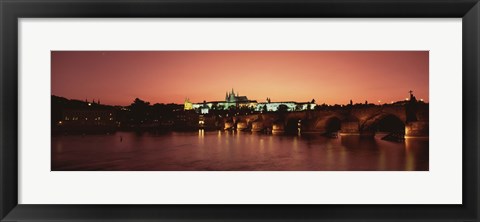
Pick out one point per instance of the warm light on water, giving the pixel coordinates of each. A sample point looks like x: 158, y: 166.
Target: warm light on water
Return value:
x: 239, y: 151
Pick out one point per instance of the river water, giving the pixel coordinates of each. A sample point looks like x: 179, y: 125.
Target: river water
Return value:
x: 237, y: 151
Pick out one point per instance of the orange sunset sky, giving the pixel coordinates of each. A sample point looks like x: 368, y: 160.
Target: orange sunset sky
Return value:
x: 331, y: 77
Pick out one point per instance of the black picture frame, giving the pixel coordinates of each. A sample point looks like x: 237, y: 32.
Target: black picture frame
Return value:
x: 11, y: 11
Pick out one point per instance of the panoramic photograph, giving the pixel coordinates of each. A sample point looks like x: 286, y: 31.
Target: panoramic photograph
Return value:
x: 239, y: 110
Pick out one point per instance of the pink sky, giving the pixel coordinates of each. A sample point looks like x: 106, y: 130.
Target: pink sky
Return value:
x: 118, y: 77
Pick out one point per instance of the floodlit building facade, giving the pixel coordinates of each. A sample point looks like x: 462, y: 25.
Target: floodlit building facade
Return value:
x: 237, y: 101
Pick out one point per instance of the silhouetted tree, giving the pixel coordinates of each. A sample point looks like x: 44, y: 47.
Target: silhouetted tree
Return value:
x: 298, y: 107
x: 140, y: 111
x: 215, y: 106
x: 282, y: 108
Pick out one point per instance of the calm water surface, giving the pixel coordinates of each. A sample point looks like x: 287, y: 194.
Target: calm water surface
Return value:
x: 239, y: 151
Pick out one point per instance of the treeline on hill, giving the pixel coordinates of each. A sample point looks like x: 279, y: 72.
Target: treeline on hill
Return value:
x: 136, y: 114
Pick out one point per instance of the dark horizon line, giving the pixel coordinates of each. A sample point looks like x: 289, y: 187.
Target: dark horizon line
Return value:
x: 369, y: 103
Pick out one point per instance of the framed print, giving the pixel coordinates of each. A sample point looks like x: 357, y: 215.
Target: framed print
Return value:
x: 281, y: 110
x: 201, y: 136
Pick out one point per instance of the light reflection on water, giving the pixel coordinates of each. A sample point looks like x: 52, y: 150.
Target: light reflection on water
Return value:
x: 239, y: 151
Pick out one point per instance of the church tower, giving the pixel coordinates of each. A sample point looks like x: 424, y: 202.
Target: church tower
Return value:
x: 187, y: 105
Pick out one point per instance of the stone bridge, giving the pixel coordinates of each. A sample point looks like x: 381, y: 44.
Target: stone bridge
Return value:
x: 410, y: 120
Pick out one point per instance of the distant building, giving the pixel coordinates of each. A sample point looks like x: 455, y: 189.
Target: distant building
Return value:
x: 89, y: 118
x: 237, y: 101
x: 291, y: 106
x: 188, y: 105
x: 231, y: 100
x: 204, y: 108
x: 186, y: 120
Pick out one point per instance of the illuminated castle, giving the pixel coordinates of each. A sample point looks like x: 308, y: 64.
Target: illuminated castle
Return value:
x: 237, y: 101
x: 231, y: 98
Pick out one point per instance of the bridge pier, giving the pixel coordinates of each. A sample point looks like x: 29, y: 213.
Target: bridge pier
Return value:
x: 349, y: 128
x: 416, y: 129
x: 278, y: 128
x: 257, y: 126
x: 241, y: 126
x: 229, y: 125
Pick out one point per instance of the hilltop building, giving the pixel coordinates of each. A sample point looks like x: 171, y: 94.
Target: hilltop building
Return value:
x: 231, y: 100
x: 292, y: 106
x: 75, y: 115
x: 187, y: 104
x: 237, y: 101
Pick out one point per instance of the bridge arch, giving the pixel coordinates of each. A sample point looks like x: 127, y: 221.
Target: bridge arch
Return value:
x: 293, y: 124
x: 329, y: 123
x: 384, y: 122
x: 333, y: 124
